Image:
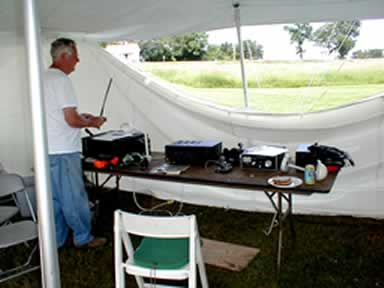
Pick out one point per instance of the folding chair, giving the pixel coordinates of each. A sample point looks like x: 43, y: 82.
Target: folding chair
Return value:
x: 17, y: 232
x: 7, y: 196
x: 169, y: 249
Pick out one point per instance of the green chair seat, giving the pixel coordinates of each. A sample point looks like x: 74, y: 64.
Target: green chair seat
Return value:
x: 162, y: 253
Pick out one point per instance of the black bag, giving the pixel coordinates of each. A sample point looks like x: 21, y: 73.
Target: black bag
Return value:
x: 331, y: 155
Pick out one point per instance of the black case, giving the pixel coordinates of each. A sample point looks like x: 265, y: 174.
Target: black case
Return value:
x: 195, y: 152
x: 117, y: 143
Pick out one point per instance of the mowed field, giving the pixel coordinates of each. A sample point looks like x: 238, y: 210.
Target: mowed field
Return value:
x: 278, y: 87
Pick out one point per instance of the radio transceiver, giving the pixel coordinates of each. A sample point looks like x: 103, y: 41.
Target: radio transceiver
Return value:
x: 263, y: 157
x: 195, y: 152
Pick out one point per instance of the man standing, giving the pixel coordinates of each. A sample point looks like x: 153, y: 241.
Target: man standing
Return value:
x: 70, y: 200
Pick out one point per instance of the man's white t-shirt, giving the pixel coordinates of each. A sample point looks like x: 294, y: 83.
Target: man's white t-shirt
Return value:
x: 60, y: 94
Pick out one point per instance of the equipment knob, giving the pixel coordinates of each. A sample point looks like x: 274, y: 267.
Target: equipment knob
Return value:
x: 268, y: 163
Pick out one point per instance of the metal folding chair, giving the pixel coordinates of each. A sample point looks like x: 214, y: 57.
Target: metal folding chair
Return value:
x: 17, y: 232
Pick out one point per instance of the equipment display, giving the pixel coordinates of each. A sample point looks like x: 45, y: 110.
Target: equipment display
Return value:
x: 113, y: 143
x: 263, y: 157
x: 193, y: 151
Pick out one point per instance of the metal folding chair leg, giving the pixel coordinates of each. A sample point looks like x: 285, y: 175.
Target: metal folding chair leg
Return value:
x: 9, y: 274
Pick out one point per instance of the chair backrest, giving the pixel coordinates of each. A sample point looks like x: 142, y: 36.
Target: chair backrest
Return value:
x: 152, y: 228
x: 10, y: 184
x: 156, y: 226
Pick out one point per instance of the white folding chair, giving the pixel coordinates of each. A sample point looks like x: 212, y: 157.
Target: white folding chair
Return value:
x: 169, y: 249
x: 19, y: 231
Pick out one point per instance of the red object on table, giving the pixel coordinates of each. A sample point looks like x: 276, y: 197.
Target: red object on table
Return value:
x: 333, y: 168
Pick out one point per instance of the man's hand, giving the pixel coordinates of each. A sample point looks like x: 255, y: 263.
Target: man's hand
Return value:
x: 93, y: 121
x: 98, y: 121
x: 84, y: 120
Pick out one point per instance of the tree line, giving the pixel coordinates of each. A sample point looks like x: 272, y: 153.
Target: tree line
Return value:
x: 338, y: 38
x: 194, y: 46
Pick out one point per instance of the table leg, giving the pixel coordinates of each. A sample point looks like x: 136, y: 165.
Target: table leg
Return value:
x: 274, y: 221
x: 280, y: 233
x: 290, y: 218
x: 278, y: 221
x: 97, y: 179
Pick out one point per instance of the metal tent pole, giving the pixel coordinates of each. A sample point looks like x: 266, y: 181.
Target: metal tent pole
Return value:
x: 47, y: 238
x: 236, y: 7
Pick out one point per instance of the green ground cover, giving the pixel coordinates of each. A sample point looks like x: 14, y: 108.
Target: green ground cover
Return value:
x: 290, y: 100
x: 278, y: 87
x: 328, y: 252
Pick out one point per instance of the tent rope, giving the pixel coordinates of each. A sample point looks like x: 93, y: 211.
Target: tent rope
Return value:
x: 308, y: 106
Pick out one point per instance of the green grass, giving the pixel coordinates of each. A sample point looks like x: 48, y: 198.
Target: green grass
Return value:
x: 270, y: 74
x: 292, y: 100
x: 328, y: 252
x: 279, y: 87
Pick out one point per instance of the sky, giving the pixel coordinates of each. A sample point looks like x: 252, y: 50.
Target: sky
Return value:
x: 276, y: 41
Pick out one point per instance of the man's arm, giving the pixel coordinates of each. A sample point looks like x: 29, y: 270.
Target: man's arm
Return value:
x: 75, y: 120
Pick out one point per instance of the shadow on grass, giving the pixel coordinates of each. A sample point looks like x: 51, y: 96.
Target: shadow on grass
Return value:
x: 328, y: 251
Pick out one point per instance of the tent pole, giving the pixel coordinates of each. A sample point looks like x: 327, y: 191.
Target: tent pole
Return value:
x: 47, y: 238
x: 236, y: 7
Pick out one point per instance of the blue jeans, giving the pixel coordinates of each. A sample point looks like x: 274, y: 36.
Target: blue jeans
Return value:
x: 70, y: 200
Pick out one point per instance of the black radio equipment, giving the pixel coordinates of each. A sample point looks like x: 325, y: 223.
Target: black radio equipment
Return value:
x: 114, y: 143
x: 193, y: 151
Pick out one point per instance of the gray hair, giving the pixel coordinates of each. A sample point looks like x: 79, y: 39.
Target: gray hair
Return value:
x: 60, y: 46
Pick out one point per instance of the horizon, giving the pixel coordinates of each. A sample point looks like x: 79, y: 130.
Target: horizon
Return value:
x: 277, y: 46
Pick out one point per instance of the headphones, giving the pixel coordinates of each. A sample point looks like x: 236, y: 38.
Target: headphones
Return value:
x: 233, y: 155
x: 221, y: 165
x: 135, y: 159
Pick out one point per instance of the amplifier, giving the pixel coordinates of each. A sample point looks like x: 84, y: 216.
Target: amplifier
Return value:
x: 193, y: 151
x: 263, y: 157
x: 113, y: 143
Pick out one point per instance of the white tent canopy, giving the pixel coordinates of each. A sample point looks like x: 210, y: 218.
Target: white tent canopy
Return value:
x: 152, y: 107
x: 148, y: 19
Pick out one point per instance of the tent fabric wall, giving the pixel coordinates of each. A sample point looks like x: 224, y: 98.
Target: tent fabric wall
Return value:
x: 144, y: 103
x: 16, y: 151
x: 150, y: 105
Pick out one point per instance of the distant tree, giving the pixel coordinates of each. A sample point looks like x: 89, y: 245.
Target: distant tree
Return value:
x: 299, y: 33
x: 156, y: 50
x: 338, y: 37
x: 215, y: 53
x: 191, y: 46
x: 252, y: 50
x: 103, y: 44
x: 227, y: 49
x: 370, y: 53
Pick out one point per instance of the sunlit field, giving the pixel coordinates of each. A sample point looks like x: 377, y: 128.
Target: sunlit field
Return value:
x: 281, y: 87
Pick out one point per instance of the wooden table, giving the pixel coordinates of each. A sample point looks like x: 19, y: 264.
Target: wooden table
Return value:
x: 238, y: 178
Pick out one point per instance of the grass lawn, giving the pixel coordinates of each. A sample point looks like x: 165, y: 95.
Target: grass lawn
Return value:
x: 288, y: 100
x: 278, y: 87
x: 328, y: 252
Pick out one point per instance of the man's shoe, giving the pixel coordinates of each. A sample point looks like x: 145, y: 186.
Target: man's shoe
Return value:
x: 94, y: 243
